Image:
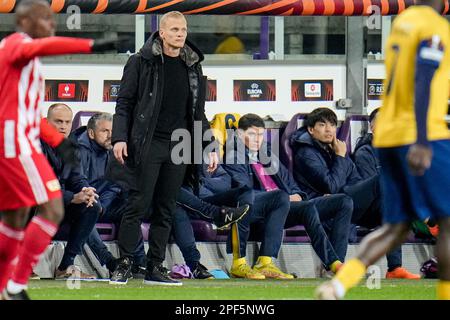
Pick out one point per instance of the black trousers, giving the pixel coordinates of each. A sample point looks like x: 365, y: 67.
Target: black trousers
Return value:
x: 160, y: 181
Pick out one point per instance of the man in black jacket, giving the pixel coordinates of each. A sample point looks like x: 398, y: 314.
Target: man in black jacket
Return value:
x: 162, y: 90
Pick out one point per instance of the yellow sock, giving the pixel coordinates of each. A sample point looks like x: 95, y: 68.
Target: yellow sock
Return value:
x: 238, y: 262
x: 443, y: 290
x: 335, y: 265
x: 235, y: 241
x: 264, y: 260
x: 351, y: 273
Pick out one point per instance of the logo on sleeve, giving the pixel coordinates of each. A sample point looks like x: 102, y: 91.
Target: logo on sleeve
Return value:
x: 53, y: 185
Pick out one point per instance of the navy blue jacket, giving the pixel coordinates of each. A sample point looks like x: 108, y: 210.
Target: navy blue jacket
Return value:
x: 317, y: 168
x: 365, y: 157
x: 212, y: 183
x: 93, y: 159
x: 70, y: 178
x: 242, y: 172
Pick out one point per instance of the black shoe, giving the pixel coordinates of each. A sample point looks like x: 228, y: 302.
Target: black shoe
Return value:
x: 112, y: 265
x: 122, y: 272
x: 158, y: 275
x: 228, y: 215
x: 22, y: 295
x: 138, y: 271
x: 201, y: 272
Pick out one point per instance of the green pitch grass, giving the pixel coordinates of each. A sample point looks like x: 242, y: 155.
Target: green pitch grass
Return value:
x: 297, y: 289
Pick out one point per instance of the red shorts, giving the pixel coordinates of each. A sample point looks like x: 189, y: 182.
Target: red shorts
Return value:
x: 27, y: 181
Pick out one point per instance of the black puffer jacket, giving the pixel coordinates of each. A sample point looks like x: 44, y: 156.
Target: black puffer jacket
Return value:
x: 317, y: 169
x: 139, y: 104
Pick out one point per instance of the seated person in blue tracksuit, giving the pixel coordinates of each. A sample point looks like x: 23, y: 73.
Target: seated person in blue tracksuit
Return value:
x: 368, y: 165
x: 250, y: 164
x: 94, y: 143
x: 213, y: 201
x: 80, y: 206
x: 322, y: 166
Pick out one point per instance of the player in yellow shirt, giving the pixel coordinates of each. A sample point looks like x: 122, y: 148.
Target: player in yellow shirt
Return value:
x: 413, y: 144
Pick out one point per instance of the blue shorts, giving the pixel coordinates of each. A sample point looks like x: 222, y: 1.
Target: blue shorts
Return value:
x: 406, y: 197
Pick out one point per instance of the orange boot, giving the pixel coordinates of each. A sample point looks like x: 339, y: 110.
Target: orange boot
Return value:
x: 434, y: 230
x: 401, y: 273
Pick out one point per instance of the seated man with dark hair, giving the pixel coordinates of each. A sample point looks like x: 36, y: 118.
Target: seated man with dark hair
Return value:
x: 322, y: 167
x: 251, y: 165
x: 215, y: 192
x: 80, y: 204
x: 94, y: 142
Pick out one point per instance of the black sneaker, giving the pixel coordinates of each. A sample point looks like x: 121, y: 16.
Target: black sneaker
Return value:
x: 201, y: 272
x: 158, y: 275
x: 122, y: 272
x: 138, y: 271
x: 22, y: 295
x: 228, y: 215
x: 112, y: 265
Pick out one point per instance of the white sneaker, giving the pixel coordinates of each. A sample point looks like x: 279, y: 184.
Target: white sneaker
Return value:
x: 35, y: 276
x: 73, y: 272
x: 324, y: 273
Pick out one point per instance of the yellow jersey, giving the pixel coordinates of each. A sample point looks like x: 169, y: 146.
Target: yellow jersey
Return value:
x: 219, y: 125
x: 419, y: 39
x: 232, y: 44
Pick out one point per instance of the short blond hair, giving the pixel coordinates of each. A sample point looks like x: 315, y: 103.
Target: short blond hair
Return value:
x: 171, y: 14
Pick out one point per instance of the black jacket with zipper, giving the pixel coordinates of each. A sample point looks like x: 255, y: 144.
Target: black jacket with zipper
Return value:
x: 139, y: 103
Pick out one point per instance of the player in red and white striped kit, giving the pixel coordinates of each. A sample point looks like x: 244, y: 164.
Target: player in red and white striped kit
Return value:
x: 26, y: 178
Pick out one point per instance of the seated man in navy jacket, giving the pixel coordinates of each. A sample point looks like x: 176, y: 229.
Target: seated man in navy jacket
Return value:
x: 364, y: 156
x: 322, y: 166
x: 251, y: 165
x: 368, y: 165
x: 215, y: 192
x: 80, y: 204
x: 94, y: 143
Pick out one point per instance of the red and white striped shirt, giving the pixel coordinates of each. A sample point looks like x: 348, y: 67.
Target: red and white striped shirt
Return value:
x: 22, y: 91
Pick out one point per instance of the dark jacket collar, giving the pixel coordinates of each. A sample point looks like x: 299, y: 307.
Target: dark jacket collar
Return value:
x: 152, y: 48
x: 84, y: 140
x: 364, y: 140
x: 302, y: 136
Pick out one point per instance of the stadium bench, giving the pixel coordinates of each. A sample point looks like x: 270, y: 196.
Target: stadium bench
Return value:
x: 107, y: 231
x: 81, y: 118
x: 286, y: 153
